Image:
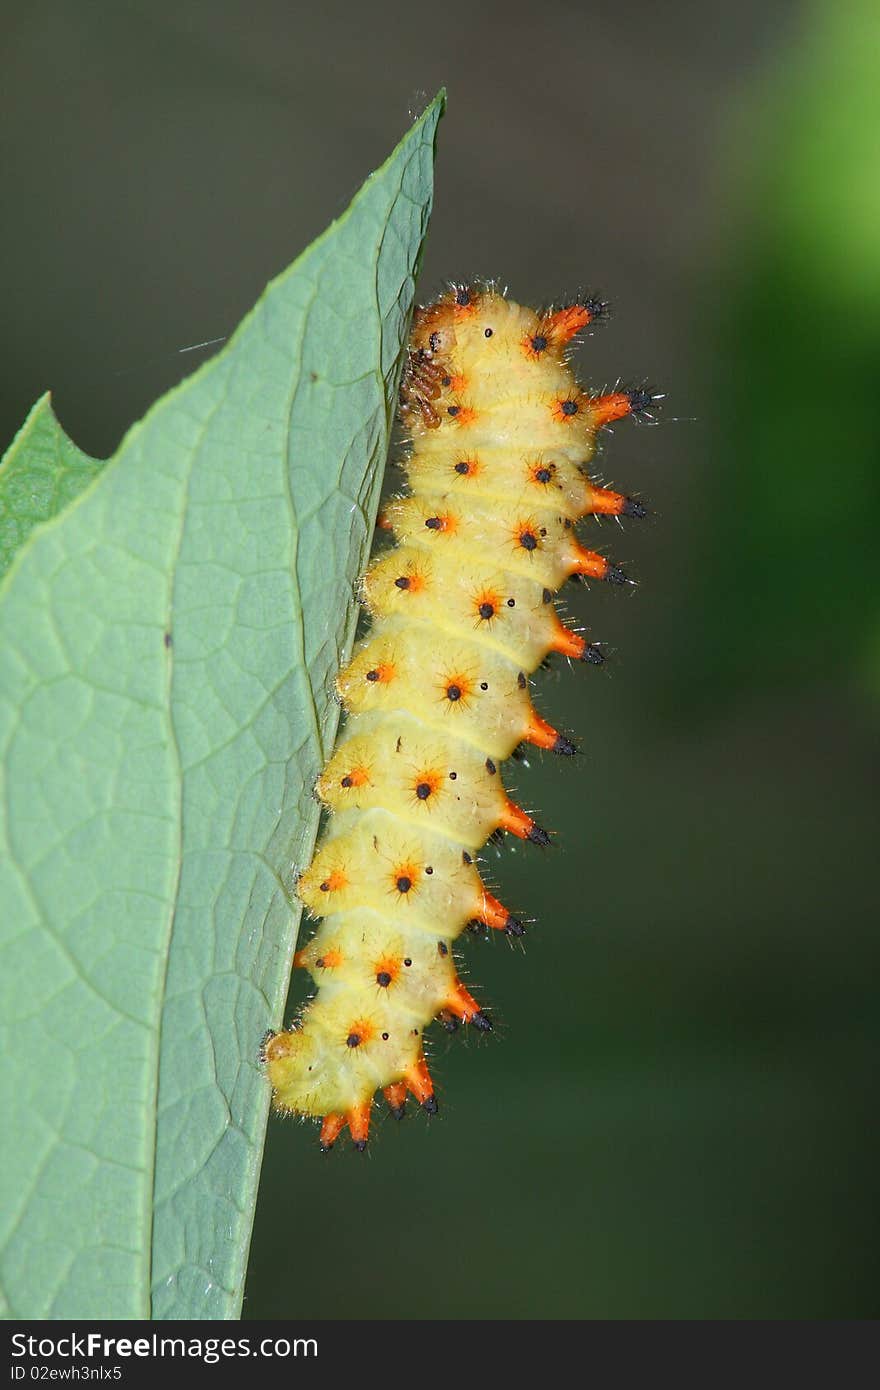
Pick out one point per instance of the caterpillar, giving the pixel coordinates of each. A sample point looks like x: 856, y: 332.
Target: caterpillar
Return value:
x: 500, y: 438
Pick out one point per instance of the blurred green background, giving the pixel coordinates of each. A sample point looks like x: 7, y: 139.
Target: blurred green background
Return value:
x: 676, y: 1114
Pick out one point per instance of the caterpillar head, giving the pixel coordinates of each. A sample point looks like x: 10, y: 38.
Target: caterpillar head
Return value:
x: 433, y: 331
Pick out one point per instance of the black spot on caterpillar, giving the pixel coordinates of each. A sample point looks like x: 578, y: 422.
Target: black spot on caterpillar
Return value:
x: 437, y: 695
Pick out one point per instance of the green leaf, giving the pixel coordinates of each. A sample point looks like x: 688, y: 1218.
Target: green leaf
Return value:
x: 41, y: 473
x: 169, y: 642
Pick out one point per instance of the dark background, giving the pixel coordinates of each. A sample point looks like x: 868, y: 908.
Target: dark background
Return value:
x: 675, y: 1116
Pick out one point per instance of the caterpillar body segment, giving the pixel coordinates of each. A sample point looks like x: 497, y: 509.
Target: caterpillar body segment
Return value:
x: 400, y: 870
x: 534, y: 542
x: 463, y: 688
x: 438, y: 694
x: 513, y: 614
x: 422, y: 776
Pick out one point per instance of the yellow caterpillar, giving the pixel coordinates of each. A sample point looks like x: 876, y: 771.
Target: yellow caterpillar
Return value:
x: 437, y: 694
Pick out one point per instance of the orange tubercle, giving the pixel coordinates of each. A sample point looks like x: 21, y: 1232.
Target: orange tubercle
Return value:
x: 386, y: 971
x: 465, y: 302
x: 418, y: 1081
x: 486, y: 604
x: 427, y: 784
x: 539, y: 732
x: 405, y: 878
x: 331, y: 1128
x: 456, y: 688
x: 542, y: 472
x: 443, y: 522
x: 360, y: 1031
x: 466, y: 468
x: 395, y: 1096
x: 565, y: 324
x: 491, y: 912
x: 543, y: 735
x: 463, y: 1005
x: 517, y: 821
x: 329, y: 960
x: 333, y: 882
x: 356, y: 777
x: 602, y: 502
x: 383, y: 674
x: 568, y: 643
x: 588, y: 562
x: 604, y: 410
x: 594, y: 566
x: 415, y: 583
x: 358, y: 1120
